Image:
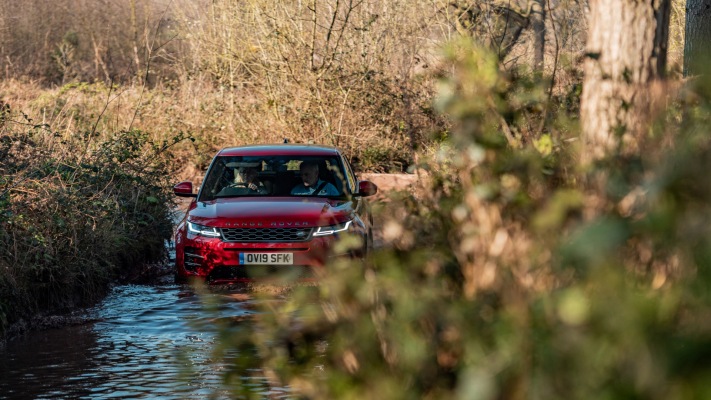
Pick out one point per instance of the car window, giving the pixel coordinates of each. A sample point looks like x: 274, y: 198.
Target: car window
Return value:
x: 350, y: 177
x: 240, y: 176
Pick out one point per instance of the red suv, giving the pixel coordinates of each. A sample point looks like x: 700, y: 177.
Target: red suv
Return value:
x: 269, y: 210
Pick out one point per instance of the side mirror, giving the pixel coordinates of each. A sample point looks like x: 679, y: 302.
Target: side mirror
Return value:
x: 366, y: 188
x: 184, y: 189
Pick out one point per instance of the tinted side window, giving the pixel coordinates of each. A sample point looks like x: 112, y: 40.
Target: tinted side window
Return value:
x: 350, y: 177
x: 215, y: 180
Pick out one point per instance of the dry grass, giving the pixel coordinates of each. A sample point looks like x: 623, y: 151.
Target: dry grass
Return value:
x: 360, y: 75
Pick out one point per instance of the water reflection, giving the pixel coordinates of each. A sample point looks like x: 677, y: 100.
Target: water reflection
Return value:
x: 150, y: 341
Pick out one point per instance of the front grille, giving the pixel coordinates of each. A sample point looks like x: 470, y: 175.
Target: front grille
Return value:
x: 266, y: 234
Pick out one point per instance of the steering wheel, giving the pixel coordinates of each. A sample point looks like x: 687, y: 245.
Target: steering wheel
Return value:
x: 251, y: 186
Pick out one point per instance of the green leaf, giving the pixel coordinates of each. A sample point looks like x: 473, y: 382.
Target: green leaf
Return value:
x: 544, y: 145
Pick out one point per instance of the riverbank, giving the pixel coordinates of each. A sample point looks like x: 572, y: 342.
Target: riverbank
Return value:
x: 76, y: 215
x: 151, y: 274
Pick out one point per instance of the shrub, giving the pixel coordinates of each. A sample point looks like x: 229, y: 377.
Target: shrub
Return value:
x: 517, y: 274
x: 77, y: 211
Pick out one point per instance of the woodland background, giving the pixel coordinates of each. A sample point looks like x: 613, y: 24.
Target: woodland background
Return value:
x: 360, y: 75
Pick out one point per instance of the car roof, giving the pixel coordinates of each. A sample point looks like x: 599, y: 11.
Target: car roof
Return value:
x: 284, y: 149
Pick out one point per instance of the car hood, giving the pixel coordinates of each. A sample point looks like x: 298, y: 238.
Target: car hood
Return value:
x: 256, y: 212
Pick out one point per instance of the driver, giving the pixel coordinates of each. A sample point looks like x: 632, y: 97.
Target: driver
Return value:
x: 311, y: 184
x: 247, y: 176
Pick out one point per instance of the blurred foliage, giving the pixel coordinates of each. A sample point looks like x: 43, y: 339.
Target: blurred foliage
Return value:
x: 77, y: 212
x: 515, y: 272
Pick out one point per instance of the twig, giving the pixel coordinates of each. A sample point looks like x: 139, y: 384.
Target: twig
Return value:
x: 546, y: 109
x: 504, y: 125
x: 149, y: 58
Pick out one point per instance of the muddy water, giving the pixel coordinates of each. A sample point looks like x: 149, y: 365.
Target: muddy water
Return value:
x: 145, y: 342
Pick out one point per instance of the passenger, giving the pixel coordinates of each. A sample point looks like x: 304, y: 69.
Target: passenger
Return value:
x: 311, y: 184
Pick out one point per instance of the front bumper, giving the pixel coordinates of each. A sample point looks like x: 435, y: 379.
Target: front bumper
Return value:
x: 216, y: 261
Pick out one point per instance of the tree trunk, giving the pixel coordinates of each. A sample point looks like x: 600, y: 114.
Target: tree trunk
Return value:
x: 134, y: 39
x: 697, y: 43
x: 538, y: 23
x: 626, y: 56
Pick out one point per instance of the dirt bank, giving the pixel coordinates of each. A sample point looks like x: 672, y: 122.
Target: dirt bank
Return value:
x: 389, y: 182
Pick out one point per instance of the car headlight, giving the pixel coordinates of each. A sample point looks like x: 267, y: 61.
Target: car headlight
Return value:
x: 202, y: 230
x: 332, y: 229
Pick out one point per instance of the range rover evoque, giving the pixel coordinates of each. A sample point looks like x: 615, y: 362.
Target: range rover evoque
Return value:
x: 271, y: 210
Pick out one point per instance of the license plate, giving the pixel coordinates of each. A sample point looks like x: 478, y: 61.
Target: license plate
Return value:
x: 266, y: 258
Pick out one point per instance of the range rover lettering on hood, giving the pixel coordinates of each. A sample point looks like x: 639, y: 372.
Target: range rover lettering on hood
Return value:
x: 243, y: 224
x: 288, y: 224
x: 260, y: 224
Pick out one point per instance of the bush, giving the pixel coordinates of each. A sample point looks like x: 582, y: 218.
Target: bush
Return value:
x: 519, y: 273
x: 77, y: 212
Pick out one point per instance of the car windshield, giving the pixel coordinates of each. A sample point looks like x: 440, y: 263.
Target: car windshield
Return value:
x: 239, y: 176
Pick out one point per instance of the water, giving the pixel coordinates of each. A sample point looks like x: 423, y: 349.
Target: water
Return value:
x: 148, y: 342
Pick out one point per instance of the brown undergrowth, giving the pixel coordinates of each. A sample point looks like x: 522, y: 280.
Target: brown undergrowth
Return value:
x: 78, y: 210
